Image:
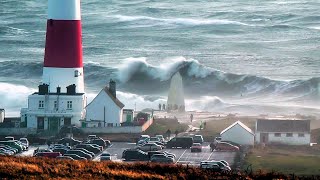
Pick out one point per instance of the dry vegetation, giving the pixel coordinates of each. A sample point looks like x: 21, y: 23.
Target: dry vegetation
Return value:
x: 161, y: 125
x: 32, y: 168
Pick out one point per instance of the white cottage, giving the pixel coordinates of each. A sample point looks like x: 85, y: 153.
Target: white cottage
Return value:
x: 105, y: 110
x: 291, y: 132
x: 238, y: 133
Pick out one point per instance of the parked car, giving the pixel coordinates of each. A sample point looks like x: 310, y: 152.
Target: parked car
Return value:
x: 183, y: 142
x: 161, y: 158
x: 60, y: 150
x: 207, y: 164
x: 80, y: 153
x: 75, y: 157
x: 196, y: 147
x: 6, y: 152
x: 9, y: 148
x: 91, y: 136
x: 160, y: 138
x: 12, y: 144
x: 105, y: 157
x: 150, y: 147
x: 89, y: 147
x: 156, y: 140
x: 223, y: 146
x: 141, y: 142
x: 135, y: 155
x: 86, y: 151
x: 9, y: 138
x: 96, y: 146
x: 41, y: 150
x: 25, y: 142
x: 108, y: 143
x: 151, y: 153
x: 24, y: 148
x: 47, y: 154
x: 54, y: 146
x: 198, y: 139
x: 144, y: 137
x: 217, y: 140
x: 99, y: 142
x: 69, y: 141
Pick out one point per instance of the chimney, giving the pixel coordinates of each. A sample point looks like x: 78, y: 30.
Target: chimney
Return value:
x: 43, y: 89
x: 58, y: 90
x: 112, y: 88
x: 71, y: 89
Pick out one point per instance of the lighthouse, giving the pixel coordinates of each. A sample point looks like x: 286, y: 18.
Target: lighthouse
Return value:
x: 60, y: 99
x: 63, y: 51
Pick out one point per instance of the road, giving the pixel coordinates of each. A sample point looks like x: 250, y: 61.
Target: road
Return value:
x: 183, y: 156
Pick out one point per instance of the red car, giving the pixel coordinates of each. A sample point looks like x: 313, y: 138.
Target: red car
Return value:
x: 48, y: 154
x: 196, y: 147
x: 224, y: 146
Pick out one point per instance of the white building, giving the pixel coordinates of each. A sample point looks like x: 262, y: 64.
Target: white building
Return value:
x: 105, y: 110
x: 238, y: 133
x: 49, y: 111
x: 291, y: 132
x: 61, y: 96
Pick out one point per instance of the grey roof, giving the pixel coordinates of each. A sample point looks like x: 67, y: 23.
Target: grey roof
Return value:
x: 266, y: 125
x: 114, y: 99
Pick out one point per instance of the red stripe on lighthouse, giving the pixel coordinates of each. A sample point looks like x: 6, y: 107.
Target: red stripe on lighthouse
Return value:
x: 63, y: 44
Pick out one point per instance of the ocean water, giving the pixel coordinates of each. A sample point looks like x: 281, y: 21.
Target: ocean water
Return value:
x: 247, y: 57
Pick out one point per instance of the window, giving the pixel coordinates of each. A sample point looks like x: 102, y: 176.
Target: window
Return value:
x: 277, y: 134
x: 41, y: 104
x: 289, y: 134
x: 300, y: 135
x: 110, y: 124
x: 55, y: 105
x: 69, y: 104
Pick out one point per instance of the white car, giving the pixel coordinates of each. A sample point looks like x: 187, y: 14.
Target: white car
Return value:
x: 105, y: 157
x: 25, y: 142
x: 150, y: 147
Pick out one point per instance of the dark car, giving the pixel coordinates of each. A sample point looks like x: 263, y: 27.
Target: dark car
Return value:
x: 135, y: 155
x: 86, y: 151
x: 89, y: 147
x: 60, y: 150
x: 161, y: 158
x: 198, y: 139
x: 96, y: 146
x: 80, y: 153
x: 183, y: 142
x: 99, y: 142
x: 69, y: 141
x: 151, y: 153
x: 224, y: 146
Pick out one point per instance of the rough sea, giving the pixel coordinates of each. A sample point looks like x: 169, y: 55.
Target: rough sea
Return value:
x: 238, y: 56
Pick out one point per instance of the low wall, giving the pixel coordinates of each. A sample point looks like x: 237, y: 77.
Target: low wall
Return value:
x: 119, y: 129
x: 17, y: 131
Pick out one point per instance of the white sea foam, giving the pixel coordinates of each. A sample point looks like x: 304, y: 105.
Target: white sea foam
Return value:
x: 178, y: 21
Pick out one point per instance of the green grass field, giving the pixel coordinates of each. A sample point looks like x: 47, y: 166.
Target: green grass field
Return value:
x: 299, y: 160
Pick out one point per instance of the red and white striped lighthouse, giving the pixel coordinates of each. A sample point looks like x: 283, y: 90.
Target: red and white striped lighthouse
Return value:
x: 63, y: 51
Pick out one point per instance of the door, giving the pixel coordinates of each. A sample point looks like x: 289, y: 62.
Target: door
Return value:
x: 67, y: 121
x: 128, y: 118
x: 264, y: 137
x: 54, y: 123
x: 40, y: 123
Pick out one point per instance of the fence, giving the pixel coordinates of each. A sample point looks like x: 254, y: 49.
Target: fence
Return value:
x: 119, y: 129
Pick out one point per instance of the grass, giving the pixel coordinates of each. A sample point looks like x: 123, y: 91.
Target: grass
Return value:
x: 43, y: 168
x: 161, y: 125
x: 301, y: 160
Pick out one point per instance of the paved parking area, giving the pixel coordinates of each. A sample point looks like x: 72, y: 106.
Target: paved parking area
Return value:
x: 183, y: 156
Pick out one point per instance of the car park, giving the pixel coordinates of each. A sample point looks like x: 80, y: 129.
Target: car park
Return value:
x: 105, y: 157
x: 224, y: 146
x: 150, y: 147
x: 183, y: 142
x: 151, y: 153
x: 80, y: 153
x: 75, y: 156
x: 196, y: 147
x: 161, y: 158
x: 135, y: 155
x: 25, y: 142
x: 198, y: 139
x: 9, y: 148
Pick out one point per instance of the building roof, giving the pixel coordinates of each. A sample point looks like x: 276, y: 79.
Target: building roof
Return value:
x: 114, y: 99
x: 239, y: 123
x: 267, y: 125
